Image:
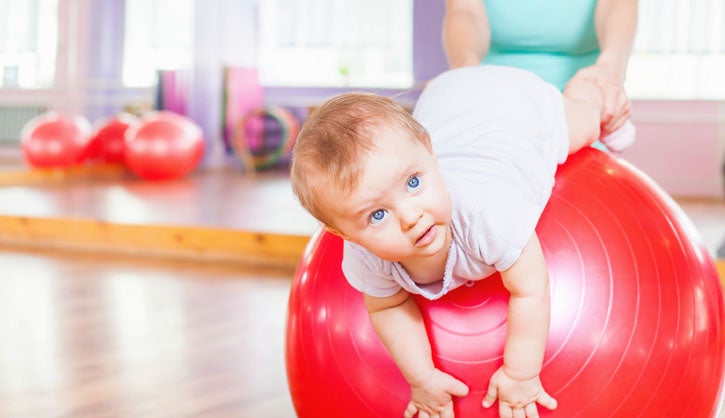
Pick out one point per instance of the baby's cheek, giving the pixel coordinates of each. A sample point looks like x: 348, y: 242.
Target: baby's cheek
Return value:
x: 446, y: 206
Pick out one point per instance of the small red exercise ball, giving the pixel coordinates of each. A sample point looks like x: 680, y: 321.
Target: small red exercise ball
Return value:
x: 107, y: 143
x: 163, y: 145
x: 636, y: 321
x: 52, y: 140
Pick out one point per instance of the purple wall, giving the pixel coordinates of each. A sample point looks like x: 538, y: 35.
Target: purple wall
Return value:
x: 429, y: 59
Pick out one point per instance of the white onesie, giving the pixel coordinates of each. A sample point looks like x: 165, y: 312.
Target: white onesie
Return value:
x: 499, y: 134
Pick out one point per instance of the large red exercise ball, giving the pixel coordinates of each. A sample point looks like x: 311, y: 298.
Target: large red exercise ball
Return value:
x: 107, y: 144
x: 636, y: 327
x: 52, y: 140
x: 163, y: 145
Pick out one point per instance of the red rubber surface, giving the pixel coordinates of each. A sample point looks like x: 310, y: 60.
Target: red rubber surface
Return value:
x: 637, y: 314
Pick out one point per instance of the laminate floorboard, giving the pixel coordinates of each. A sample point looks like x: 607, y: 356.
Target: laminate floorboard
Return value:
x: 88, y: 337
x: 216, y: 199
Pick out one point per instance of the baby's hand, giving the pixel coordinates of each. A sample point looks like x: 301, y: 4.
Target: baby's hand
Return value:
x: 517, y: 398
x: 434, y: 398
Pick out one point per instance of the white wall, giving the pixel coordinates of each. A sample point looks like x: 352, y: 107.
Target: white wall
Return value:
x: 681, y: 145
x: 73, y: 88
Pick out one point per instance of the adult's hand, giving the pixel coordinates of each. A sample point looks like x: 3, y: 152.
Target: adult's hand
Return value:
x: 617, y: 106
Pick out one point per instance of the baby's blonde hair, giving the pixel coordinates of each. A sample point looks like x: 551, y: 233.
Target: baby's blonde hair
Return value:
x: 330, y: 147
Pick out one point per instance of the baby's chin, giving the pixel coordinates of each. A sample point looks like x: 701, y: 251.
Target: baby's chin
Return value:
x: 392, y: 259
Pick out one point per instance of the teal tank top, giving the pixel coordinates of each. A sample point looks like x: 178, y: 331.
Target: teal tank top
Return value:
x: 552, y: 38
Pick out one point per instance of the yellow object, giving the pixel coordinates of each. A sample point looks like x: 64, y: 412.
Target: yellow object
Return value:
x: 720, y: 264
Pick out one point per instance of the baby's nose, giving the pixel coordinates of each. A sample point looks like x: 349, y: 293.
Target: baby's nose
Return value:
x: 410, y: 214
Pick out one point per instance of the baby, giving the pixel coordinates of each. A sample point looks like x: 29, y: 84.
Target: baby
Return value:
x: 452, y: 193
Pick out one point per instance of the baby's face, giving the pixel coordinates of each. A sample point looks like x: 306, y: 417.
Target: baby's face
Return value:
x: 400, y: 209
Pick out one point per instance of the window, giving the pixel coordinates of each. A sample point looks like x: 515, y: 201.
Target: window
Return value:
x: 28, y: 43
x: 335, y: 43
x: 679, y: 52
x: 158, y: 36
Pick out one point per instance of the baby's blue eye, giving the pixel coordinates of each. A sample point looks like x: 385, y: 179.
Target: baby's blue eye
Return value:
x: 413, y: 183
x: 377, y: 216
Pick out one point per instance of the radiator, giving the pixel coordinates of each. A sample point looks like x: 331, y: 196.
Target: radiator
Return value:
x: 13, y: 119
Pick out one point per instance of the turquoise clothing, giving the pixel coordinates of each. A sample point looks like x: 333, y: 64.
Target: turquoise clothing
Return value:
x: 552, y: 38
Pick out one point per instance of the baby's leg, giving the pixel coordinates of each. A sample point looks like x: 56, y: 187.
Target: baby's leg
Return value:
x: 583, y: 103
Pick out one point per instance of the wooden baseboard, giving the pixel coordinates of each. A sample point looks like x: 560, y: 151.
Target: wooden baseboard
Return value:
x: 210, y: 244
x: 79, y: 172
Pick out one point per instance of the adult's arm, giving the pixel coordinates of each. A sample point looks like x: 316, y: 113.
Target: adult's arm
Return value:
x: 466, y: 32
x: 616, y: 26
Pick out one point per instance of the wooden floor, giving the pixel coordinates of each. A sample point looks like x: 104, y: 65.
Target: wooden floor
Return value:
x: 220, y: 215
x: 213, y: 199
x: 96, y: 334
x: 91, y: 337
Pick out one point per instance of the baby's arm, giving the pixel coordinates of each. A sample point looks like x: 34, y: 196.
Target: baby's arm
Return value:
x: 399, y: 325
x: 583, y: 104
x: 516, y: 384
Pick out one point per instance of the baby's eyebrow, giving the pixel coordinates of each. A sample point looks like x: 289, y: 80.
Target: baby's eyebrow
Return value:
x: 368, y: 203
x: 364, y: 210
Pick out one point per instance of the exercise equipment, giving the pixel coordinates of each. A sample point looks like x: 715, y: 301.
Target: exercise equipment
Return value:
x: 252, y: 143
x: 636, y: 327
x: 52, y: 140
x: 107, y: 140
x: 163, y: 145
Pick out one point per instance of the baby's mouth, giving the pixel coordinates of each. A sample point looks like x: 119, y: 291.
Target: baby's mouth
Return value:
x: 426, y: 237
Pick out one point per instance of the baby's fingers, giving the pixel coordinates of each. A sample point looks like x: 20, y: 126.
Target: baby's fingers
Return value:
x: 410, y: 411
x: 447, y: 413
x: 457, y: 388
x: 505, y: 411
x: 518, y: 413
x: 491, y: 395
x: 531, y: 411
x: 546, y: 401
